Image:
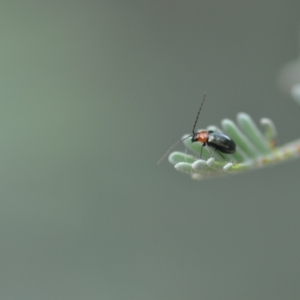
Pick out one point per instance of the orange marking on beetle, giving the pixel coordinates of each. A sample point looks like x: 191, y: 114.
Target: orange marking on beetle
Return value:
x: 202, y: 136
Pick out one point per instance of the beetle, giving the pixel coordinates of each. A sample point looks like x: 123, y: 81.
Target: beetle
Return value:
x: 214, y: 139
x: 209, y: 138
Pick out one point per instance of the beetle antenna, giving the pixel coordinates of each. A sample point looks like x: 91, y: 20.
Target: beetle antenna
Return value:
x: 199, y: 113
x: 168, y: 151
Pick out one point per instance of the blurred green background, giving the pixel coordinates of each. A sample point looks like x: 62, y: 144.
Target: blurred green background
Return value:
x: 92, y: 95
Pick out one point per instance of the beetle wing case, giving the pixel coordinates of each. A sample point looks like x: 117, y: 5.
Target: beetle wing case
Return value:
x: 221, y: 142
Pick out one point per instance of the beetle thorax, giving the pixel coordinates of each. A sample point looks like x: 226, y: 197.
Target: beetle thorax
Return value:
x: 202, y: 136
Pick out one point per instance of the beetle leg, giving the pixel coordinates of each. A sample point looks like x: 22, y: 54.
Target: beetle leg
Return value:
x: 201, y: 150
x: 220, y: 153
x: 209, y: 150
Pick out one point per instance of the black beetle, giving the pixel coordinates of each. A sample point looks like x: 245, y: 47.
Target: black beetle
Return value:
x: 214, y: 139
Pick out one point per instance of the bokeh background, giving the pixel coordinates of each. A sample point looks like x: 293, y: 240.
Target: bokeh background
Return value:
x: 92, y: 95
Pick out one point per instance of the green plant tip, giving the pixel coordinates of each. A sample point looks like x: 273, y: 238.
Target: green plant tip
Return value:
x: 254, y: 149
